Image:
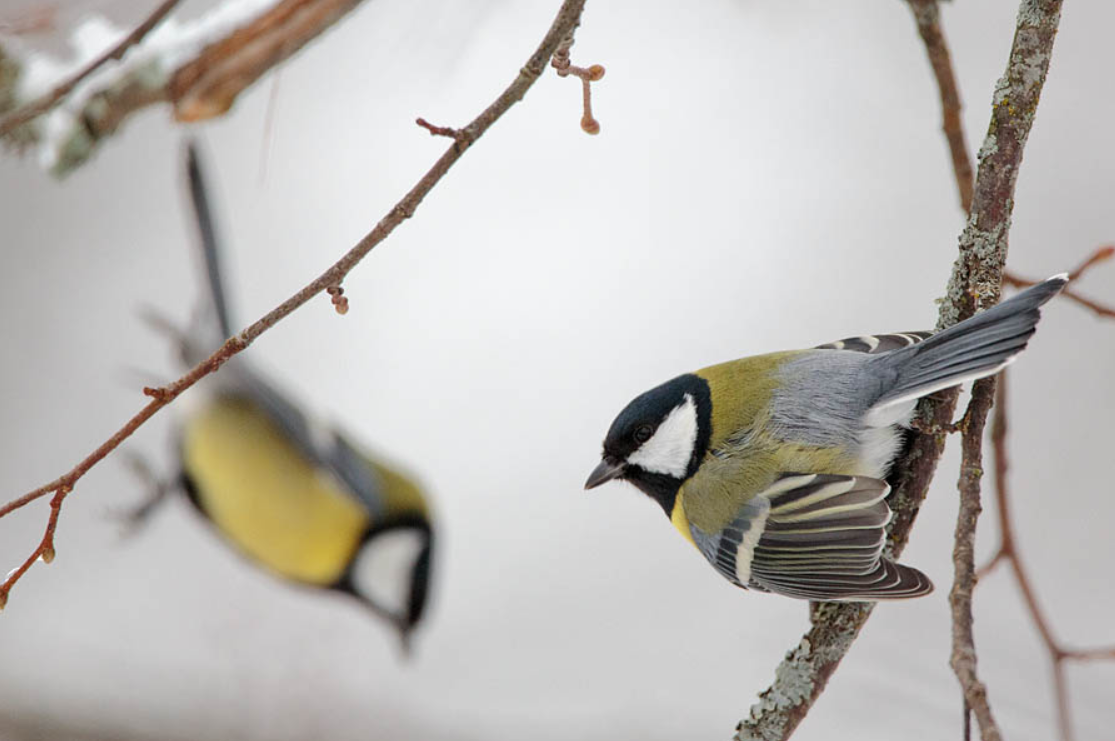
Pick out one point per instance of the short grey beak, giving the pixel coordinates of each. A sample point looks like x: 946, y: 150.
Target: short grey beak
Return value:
x: 606, y: 471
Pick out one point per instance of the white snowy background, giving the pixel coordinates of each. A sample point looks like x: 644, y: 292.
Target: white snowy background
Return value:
x: 769, y: 175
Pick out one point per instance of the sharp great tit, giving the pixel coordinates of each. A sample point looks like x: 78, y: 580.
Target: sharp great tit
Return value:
x: 773, y: 466
x: 297, y: 498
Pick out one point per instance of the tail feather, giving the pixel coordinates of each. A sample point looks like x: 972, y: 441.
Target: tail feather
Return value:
x: 210, y: 243
x: 974, y: 348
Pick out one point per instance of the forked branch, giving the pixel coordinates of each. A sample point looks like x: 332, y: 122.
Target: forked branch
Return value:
x: 975, y: 281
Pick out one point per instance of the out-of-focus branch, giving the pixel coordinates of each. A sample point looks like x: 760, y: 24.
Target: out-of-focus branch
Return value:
x: 207, y: 85
x: 975, y: 281
x: 46, y: 102
x: 202, y: 86
x: 567, y: 19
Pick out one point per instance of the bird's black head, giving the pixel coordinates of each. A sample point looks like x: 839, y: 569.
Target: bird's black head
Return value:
x: 658, y: 440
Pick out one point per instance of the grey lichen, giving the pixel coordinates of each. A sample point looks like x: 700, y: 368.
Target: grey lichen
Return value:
x: 793, y: 684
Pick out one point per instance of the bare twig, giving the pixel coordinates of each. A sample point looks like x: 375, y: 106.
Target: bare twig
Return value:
x: 437, y: 130
x: 928, y: 17
x: 567, y: 18
x: 1008, y: 552
x: 1100, y: 255
x: 925, y: 12
x: 51, y: 99
x: 587, y: 75
x: 976, y: 276
x: 963, y: 658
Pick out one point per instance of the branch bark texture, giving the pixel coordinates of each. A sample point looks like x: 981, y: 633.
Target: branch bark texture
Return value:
x: 975, y: 282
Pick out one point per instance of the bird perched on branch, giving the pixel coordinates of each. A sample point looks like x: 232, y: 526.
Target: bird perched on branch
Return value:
x: 773, y: 466
x: 296, y: 497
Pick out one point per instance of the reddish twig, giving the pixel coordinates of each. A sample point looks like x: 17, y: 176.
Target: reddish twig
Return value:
x: 437, y: 130
x: 45, y: 549
x: 567, y: 19
x: 587, y: 75
x: 1008, y: 553
x: 928, y: 17
x: 1100, y: 255
x: 44, y: 103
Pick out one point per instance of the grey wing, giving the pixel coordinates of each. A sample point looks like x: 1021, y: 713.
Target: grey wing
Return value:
x: 326, y: 448
x: 877, y: 343
x: 817, y: 537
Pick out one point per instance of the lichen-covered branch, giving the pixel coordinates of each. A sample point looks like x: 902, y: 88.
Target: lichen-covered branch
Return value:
x: 567, y: 19
x: 963, y: 659
x: 975, y: 281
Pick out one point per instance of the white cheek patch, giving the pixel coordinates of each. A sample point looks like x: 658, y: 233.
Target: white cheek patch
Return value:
x: 384, y: 568
x: 670, y: 449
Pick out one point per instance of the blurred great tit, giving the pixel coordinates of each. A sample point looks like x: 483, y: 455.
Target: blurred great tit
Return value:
x: 297, y: 498
x: 773, y: 466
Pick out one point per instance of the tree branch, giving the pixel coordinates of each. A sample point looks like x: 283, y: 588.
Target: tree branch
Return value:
x: 567, y: 19
x: 202, y: 86
x: 43, y: 104
x: 975, y: 280
x: 963, y: 659
x: 927, y: 15
x: 1101, y: 310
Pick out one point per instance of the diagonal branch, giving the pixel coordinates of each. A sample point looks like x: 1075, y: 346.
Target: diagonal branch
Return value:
x: 568, y: 18
x: 976, y: 277
x: 43, y: 104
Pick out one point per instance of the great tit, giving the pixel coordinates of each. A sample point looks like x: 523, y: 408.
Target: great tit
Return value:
x: 297, y: 498
x: 773, y: 466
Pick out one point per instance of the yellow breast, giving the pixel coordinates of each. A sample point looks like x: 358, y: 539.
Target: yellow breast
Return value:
x: 265, y: 496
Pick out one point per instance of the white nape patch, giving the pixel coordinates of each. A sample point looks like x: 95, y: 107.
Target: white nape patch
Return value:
x: 384, y: 568
x: 746, y: 549
x: 670, y: 449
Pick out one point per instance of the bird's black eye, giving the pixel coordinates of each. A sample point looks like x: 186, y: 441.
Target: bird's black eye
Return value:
x: 643, y: 433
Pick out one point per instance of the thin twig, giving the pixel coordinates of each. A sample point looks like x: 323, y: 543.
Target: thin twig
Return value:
x: 1008, y: 552
x: 437, y: 130
x: 928, y: 17
x: 44, y: 103
x: 803, y: 674
x: 567, y: 18
x: 963, y: 658
x: 1103, y: 253
x: 588, y: 75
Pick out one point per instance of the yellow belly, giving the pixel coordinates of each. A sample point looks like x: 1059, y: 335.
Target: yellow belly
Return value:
x: 265, y: 496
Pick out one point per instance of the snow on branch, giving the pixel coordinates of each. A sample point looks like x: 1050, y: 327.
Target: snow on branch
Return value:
x: 198, y: 66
